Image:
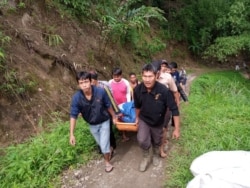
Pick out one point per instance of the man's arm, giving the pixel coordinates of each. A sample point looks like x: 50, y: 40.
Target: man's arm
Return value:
x: 137, y: 112
x: 112, y: 113
x: 177, y: 98
x: 74, y: 112
x: 175, y: 113
x: 72, y: 139
x: 176, y: 132
x: 108, y: 105
x: 137, y: 104
x: 173, y: 88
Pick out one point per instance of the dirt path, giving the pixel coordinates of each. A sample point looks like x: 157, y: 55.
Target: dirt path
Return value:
x: 125, y: 174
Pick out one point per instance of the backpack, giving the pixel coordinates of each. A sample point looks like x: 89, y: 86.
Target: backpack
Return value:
x: 128, y: 111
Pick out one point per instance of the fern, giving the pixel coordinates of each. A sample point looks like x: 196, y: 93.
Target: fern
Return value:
x: 127, y: 22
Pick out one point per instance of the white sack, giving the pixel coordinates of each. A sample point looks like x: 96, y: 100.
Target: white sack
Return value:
x: 221, y: 169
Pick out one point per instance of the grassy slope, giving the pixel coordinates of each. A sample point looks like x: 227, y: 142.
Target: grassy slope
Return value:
x: 37, y: 162
x: 216, y: 118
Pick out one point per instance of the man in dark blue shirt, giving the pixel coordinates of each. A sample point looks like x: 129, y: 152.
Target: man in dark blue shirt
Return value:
x: 151, y: 100
x: 174, y: 72
x: 105, y: 85
x: 94, y: 105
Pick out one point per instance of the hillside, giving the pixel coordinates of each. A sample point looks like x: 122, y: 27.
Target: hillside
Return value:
x: 39, y: 67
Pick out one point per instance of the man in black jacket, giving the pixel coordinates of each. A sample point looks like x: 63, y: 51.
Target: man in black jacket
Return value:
x: 151, y: 100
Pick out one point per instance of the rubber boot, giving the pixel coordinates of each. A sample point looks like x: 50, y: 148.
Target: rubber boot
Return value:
x: 145, y: 161
x: 156, y: 154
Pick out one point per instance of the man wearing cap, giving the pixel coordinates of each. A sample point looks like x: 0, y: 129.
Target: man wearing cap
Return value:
x: 166, y: 79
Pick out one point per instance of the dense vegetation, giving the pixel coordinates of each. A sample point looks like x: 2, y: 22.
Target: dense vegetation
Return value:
x: 212, y: 29
x: 38, y: 162
x: 216, y: 118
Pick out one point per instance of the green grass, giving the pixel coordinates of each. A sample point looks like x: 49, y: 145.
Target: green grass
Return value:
x: 38, y: 162
x: 216, y: 118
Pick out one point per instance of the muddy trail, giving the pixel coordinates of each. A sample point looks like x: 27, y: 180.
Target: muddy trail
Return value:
x: 126, y: 161
x: 125, y: 173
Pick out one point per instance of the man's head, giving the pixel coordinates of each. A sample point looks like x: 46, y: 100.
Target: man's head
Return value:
x: 132, y: 77
x: 164, y: 66
x: 94, y: 77
x: 117, y: 74
x: 84, y: 80
x: 173, y: 66
x: 149, y: 75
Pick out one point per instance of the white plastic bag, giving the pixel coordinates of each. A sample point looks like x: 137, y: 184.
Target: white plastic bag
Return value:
x: 221, y: 169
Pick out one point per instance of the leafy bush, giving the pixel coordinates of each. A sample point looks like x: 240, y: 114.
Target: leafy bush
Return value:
x: 78, y: 8
x: 51, y: 37
x: 125, y: 22
x: 235, y: 21
x: 3, y: 3
x: 147, y: 49
x: 37, y: 162
x: 225, y: 47
x: 1, y: 54
x: 205, y: 22
x: 13, y: 86
x: 4, y: 40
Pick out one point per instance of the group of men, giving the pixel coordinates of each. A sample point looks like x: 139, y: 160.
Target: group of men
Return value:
x: 154, y: 98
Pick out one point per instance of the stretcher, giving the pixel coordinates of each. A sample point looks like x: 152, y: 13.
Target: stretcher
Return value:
x: 121, y: 126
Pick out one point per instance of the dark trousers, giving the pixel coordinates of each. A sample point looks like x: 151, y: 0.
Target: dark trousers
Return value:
x: 148, y: 136
x: 112, y: 135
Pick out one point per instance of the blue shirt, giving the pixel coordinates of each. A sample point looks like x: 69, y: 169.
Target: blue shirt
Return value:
x: 94, y: 111
x: 176, y: 76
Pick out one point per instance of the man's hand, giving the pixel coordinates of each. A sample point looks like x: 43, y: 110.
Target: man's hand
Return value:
x: 72, y: 140
x: 136, y: 121
x: 176, y: 134
x: 119, y: 115
x: 114, y: 120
